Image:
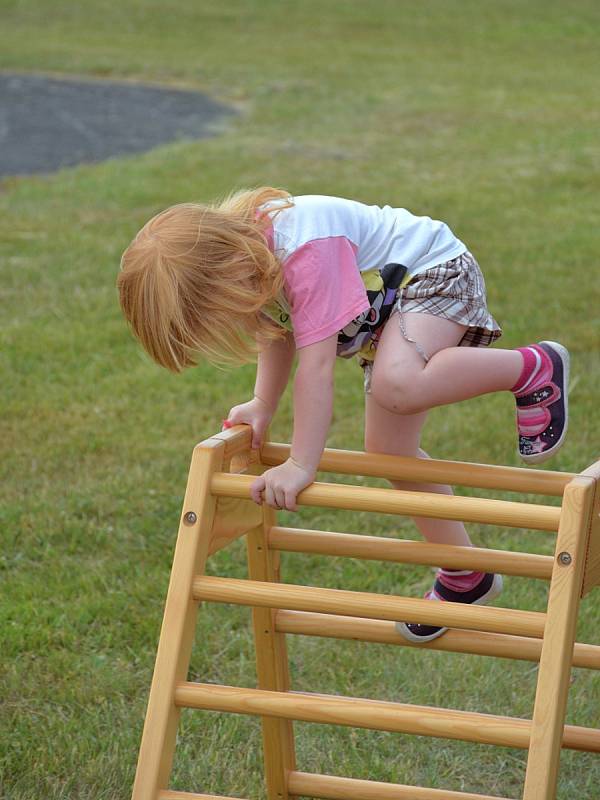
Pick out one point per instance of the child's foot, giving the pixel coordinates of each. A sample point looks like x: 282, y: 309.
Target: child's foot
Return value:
x: 541, y: 394
x: 476, y: 588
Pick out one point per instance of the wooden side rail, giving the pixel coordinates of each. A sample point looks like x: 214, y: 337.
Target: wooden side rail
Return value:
x: 591, y: 576
x: 235, y: 441
x: 394, y: 501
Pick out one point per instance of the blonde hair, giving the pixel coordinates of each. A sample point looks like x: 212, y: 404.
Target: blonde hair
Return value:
x: 195, y: 278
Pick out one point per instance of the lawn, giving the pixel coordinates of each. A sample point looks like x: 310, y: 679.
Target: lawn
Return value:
x: 482, y: 114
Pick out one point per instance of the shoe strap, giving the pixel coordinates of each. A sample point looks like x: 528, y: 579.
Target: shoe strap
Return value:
x: 542, y: 396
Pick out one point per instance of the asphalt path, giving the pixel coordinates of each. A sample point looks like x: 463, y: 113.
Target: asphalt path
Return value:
x: 48, y: 123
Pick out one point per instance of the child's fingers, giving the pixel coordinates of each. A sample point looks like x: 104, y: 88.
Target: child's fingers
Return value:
x: 290, y: 500
x: 257, y: 436
x: 279, y: 498
x: 257, y: 489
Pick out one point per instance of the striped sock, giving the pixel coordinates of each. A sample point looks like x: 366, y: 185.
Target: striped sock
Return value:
x: 536, y: 368
x: 459, y: 580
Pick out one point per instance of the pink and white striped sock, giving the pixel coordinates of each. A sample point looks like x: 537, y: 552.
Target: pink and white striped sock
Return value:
x: 537, y: 369
x: 460, y: 580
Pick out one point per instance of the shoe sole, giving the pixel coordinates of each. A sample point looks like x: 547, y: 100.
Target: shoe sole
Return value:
x: 494, y: 591
x: 538, y: 458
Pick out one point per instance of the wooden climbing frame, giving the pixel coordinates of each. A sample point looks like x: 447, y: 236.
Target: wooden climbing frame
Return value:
x: 217, y: 510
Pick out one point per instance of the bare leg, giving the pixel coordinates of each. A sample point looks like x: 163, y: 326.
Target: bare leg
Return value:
x: 404, y: 383
x: 387, y: 431
x: 395, y: 414
x: 395, y: 434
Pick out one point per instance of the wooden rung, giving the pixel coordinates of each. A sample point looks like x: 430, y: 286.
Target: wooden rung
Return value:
x: 332, y: 787
x: 394, y: 501
x: 357, y: 712
x: 456, y: 473
x: 171, y: 794
x: 479, y: 643
x: 404, y: 551
x: 368, y: 605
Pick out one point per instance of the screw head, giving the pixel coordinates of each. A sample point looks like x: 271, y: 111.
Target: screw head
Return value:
x: 190, y: 518
x: 565, y: 558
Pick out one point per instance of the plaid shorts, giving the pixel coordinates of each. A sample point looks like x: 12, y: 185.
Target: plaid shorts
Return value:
x: 454, y: 290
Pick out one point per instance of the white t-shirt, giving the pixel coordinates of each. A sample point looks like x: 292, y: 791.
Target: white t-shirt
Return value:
x: 327, y: 244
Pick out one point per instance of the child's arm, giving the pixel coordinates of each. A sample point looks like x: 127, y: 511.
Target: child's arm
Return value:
x: 272, y: 373
x: 313, y: 401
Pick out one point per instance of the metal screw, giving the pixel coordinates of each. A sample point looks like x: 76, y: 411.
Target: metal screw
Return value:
x: 189, y: 518
x: 565, y: 558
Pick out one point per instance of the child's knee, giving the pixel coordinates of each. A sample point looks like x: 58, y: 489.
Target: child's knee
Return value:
x: 397, y: 391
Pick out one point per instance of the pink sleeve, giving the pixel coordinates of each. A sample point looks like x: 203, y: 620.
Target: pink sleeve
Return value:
x: 324, y: 288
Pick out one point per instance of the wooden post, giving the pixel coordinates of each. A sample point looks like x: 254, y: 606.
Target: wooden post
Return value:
x: 179, y: 622
x: 591, y: 577
x: 271, y: 662
x: 559, y: 636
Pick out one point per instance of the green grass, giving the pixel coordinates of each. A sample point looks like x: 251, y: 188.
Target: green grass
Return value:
x: 482, y: 114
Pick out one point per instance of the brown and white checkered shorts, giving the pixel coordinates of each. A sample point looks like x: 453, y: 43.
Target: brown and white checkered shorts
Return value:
x: 454, y: 290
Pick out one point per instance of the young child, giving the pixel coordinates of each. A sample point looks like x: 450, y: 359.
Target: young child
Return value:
x: 267, y: 274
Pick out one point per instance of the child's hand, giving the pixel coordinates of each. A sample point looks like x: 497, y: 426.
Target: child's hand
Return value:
x: 279, y: 486
x: 255, y: 413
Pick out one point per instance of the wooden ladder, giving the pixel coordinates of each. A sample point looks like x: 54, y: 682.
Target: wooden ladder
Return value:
x: 217, y: 510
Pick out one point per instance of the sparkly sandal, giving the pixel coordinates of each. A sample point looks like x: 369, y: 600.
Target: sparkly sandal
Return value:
x: 487, y: 589
x: 542, y: 409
